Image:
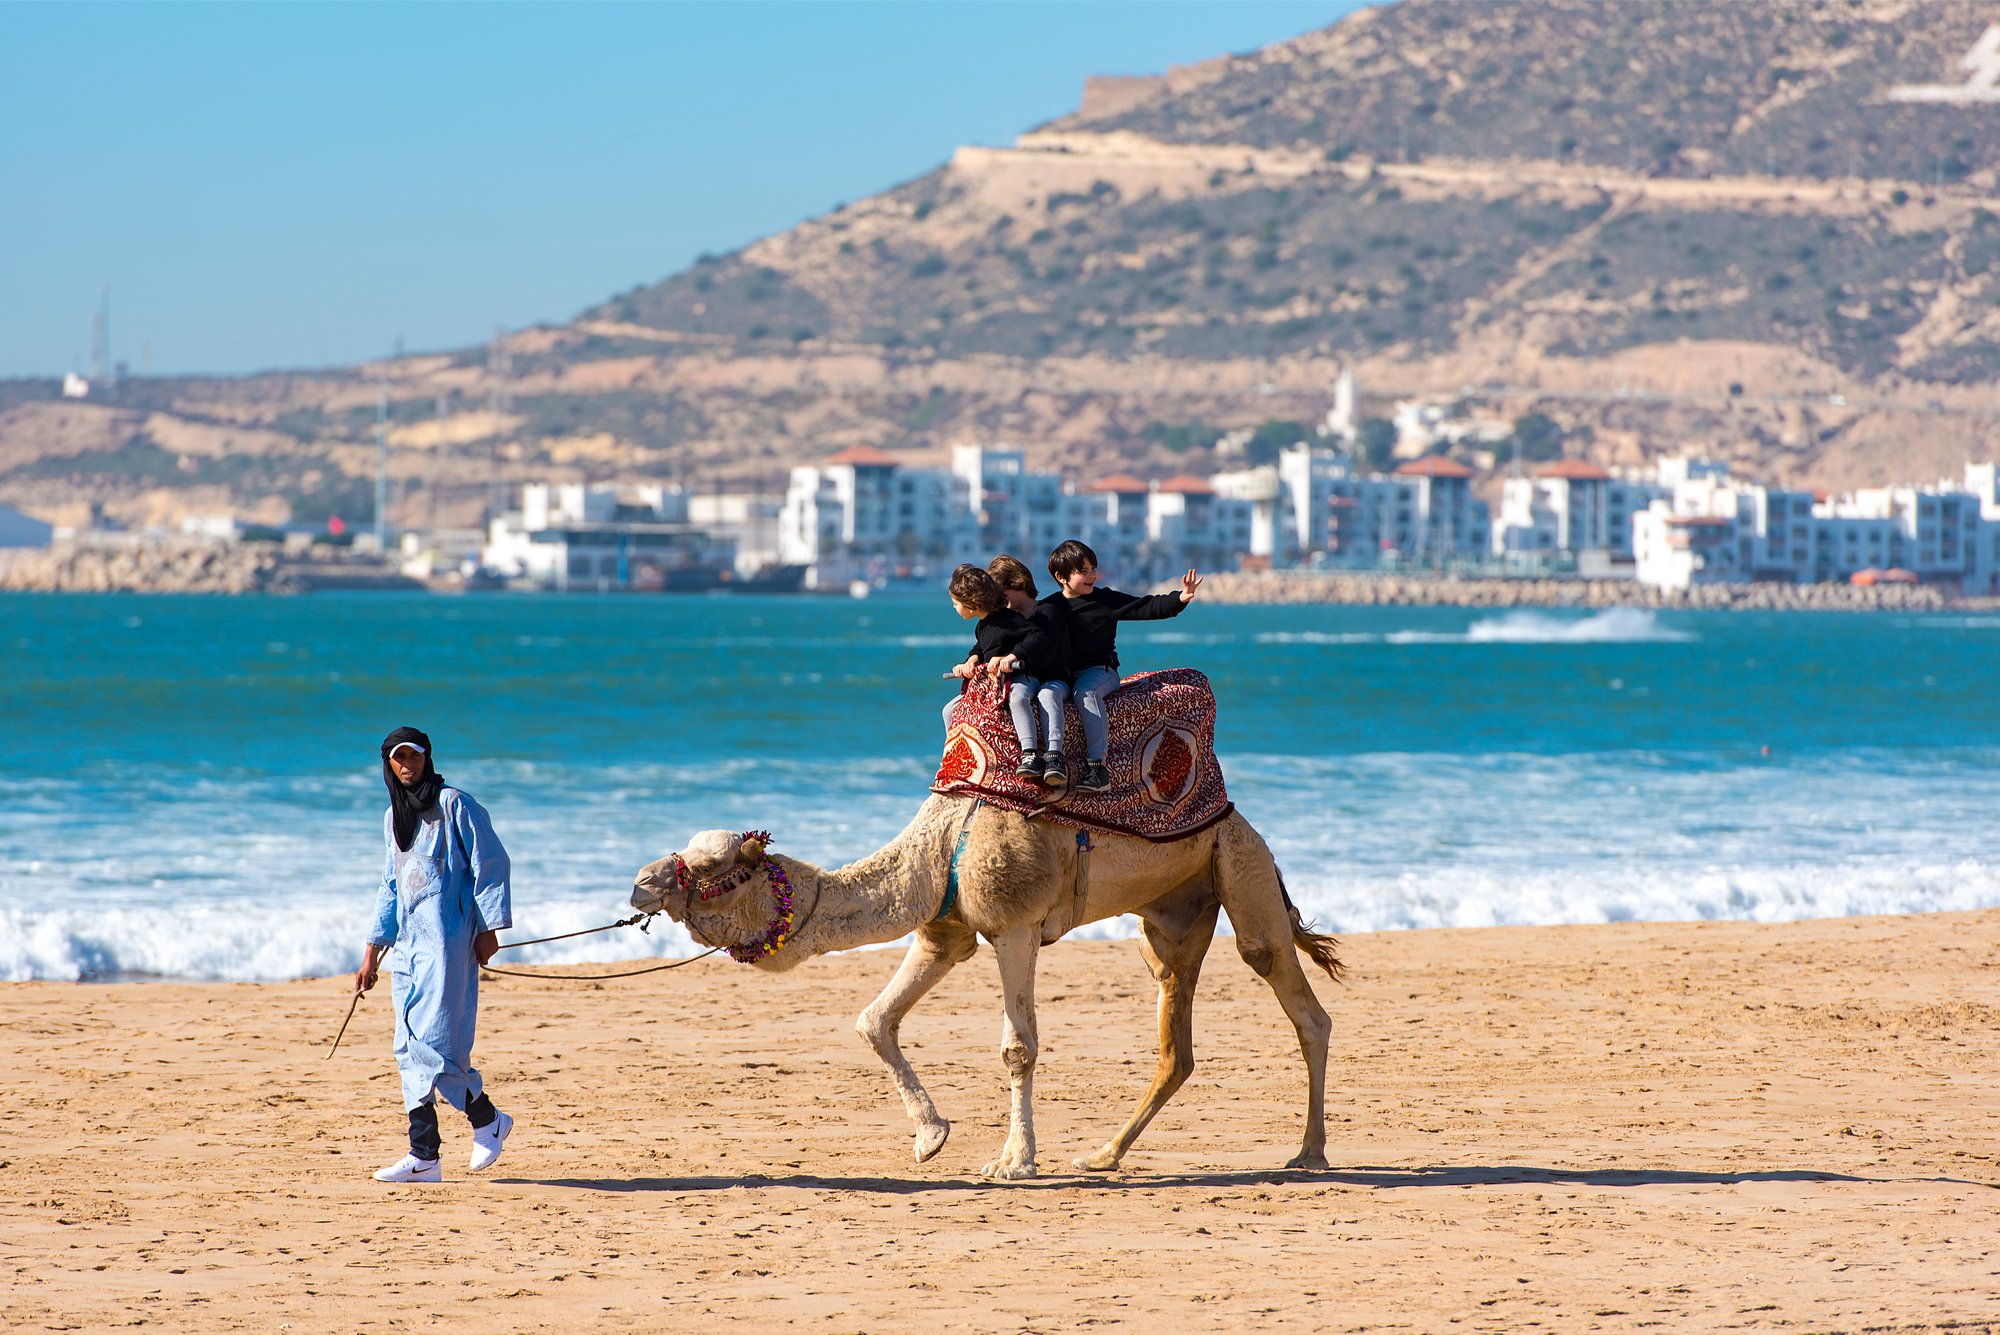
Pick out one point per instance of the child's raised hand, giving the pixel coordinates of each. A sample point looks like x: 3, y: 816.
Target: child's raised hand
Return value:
x: 1189, y: 583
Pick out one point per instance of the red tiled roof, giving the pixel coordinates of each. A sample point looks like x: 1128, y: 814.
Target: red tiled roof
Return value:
x: 863, y: 456
x: 1576, y: 470
x: 1123, y: 483
x: 1187, y: 484
x: 1433, y: 465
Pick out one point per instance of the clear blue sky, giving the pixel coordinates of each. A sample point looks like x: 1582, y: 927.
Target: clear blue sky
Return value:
x: 256, y: 181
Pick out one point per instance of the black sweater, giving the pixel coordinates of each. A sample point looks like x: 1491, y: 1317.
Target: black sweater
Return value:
x: 1053, y: 623
x: 1093, y: 621
x: 1008, y: 632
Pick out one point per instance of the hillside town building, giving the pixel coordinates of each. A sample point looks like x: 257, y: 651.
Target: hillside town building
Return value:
x: 1711, y: 528
x: 863, y: 516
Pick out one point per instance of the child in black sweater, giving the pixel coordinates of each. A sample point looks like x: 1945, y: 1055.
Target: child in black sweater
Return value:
x: 1093, y: 615
x: 1045, y: 688
x: 1004, y: 643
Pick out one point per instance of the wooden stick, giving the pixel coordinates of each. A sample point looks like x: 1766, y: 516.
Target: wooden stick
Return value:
x: 343, y: 1028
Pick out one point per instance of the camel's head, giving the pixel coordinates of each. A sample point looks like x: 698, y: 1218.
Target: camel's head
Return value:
x: 715, y: 877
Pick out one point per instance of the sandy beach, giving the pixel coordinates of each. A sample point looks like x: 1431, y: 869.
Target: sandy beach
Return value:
x: 1612, y: 1128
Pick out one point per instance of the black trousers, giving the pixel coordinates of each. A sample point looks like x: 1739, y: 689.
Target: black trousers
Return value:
x: 424, y: 1140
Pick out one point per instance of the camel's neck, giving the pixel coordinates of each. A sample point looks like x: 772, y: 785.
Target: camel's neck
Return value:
x: 885, y: 895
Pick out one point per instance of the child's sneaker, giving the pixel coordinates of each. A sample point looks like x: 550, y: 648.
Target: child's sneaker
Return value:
x: 1053, y: 773
x: 410, y: 1168
x: 489, y: 1140
x: 1095, y: 778
x: 1030, y: 766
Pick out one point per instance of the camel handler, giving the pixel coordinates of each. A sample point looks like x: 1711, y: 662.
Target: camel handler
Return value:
x: 443, y: 902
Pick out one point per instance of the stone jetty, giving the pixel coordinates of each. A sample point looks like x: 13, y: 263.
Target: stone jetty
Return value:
x: 1445, y: 590
x: 148, y: 563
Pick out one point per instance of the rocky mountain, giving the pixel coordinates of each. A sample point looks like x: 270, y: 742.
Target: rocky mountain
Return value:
x: 1766, y: 231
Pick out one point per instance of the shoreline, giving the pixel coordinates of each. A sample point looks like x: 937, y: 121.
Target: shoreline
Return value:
x: 1618, y: 1126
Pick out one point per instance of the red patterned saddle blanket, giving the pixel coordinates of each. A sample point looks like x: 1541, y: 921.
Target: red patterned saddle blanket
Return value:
x: 1165, y: 781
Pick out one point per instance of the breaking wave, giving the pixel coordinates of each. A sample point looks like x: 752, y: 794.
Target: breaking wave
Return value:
x: 163, y: 877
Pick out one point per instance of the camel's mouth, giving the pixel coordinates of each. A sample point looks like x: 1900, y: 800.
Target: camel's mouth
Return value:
x: 651, y: 886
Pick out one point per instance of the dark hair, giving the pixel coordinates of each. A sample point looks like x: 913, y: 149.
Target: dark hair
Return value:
x: 976, y: 589
x: 1069, y: 558
x: 1009, y: 573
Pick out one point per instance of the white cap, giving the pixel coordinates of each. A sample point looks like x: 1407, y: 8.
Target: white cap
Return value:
x: 400, y: 745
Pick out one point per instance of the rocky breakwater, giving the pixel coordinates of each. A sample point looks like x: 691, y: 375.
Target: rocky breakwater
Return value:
x: 147, y: 565
x: 1427, y: 590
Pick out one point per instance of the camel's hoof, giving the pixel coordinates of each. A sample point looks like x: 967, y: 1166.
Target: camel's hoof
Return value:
x: 1104, y: 1161
x: 1001, y: 1171
x: 1308, y: 1159
x: 931, y: 1139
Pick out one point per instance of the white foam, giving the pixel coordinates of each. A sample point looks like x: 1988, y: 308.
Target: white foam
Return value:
x: 1613, y: 625
x: 1616, y: 625
x: 1319, y: 637
x: 212, y: 876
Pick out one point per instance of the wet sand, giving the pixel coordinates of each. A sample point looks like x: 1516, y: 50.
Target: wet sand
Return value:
x: 1675, y: 1126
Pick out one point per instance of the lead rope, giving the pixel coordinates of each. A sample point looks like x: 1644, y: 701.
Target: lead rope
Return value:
x: 593, y: 977
x: 643, y: 920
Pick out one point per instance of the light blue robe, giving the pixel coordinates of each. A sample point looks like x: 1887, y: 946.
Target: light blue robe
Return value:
x: 456, y: 872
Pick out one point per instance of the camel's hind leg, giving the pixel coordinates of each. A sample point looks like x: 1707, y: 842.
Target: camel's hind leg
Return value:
x: 1246, y: 880
x: 1175, y: 960
x: 937, y: 949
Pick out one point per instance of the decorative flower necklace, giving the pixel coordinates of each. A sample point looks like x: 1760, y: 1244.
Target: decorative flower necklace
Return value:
x: 754, y: 842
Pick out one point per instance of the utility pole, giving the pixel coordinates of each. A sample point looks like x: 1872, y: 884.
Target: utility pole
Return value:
x: 382, y: 469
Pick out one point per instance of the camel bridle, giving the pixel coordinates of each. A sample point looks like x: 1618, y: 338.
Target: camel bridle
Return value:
x: 782, y: 930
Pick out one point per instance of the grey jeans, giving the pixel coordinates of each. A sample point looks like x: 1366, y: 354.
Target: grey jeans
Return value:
x: 1024, y: 696
x: 1089, y: 689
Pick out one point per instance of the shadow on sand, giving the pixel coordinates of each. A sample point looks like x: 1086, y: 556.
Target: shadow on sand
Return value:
x: 1464, y: 1176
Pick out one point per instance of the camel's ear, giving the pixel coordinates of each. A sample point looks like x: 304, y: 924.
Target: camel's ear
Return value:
x: 712, y: 852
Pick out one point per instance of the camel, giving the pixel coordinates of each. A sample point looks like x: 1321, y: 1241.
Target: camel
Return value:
x: 1015, y: 881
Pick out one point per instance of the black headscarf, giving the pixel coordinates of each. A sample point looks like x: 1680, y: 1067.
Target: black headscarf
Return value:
x: 410, y: 803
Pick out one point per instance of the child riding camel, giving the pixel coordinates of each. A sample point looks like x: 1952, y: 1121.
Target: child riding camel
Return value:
x: 1005, y: 644
x: 1049, y: 687
x: 1092, y: 615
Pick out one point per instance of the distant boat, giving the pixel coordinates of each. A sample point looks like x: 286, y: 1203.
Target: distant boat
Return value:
x: 711, y: 579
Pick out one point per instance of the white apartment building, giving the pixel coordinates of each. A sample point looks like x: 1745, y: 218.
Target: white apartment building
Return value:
x: 862, y: 516
x: 1313, y: 506
x: 861, y: 511
x: 573, y: 536
x: 1941, y: 534
x: 1572, y: 507
x: 1189, y: 525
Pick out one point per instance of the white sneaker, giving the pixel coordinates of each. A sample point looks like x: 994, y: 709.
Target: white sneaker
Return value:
x: 410, y: 1168
x: 489, y: 1140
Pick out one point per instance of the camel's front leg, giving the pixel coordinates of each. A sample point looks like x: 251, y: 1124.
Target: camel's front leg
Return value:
x: 931, y: 956
x: 1016, y: 950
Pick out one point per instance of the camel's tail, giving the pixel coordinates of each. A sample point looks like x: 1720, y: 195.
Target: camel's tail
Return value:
x: 1318, y: 947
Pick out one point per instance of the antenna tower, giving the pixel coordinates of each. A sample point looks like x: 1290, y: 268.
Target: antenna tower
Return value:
x: 382, y: 469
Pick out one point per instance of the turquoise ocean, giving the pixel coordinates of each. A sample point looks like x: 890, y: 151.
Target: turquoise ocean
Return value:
x: 189, y: 787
